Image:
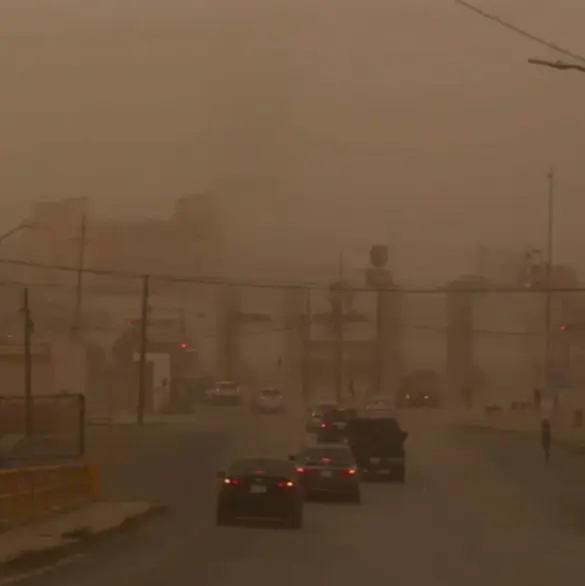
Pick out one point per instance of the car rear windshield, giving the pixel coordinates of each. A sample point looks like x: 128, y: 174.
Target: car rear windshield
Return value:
x: 270, y: 393
x: 368, y: 426
x: 324, y: 408
x: 227, y: 386
x: 382, y: 401
x: 315, y: 456
x: 341, y: 415
x: 266, y: 466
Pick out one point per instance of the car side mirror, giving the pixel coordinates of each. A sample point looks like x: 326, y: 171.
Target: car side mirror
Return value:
x: 220, y: 475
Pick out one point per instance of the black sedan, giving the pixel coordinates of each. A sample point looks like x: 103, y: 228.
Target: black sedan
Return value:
x: 260, y: 489
x: 334, y: 424
x: 328, y: 470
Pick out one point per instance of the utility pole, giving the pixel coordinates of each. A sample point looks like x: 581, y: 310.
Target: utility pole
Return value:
x: 229, y: 334
x: 306, y: 358
x: 379, y: 322
x: 78, y: 315
x: 183, y: 323
x: 143, y: 350
x: 548, y: 284
x: 339, y: 335
x: 28, y: 327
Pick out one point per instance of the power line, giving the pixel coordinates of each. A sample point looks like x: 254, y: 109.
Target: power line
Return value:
x: 279, y: 329
x: 520, y: 31
x: 174, y: 278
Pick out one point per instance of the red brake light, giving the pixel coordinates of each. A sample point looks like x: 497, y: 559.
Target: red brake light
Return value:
x: 349, y: 471
x: 326, y: 460
x: 285, y: 484
x: 231, y: 481
x: 184, y: 346
x: 323, y: 425
x: 300, y: 469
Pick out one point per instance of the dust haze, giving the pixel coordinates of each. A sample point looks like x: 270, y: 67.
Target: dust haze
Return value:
x: 149, y: 152
x: 414, y: 122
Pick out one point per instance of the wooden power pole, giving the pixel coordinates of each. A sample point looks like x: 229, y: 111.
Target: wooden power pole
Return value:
x: 306, y: 349
x: 142, y: 363
x: 339, y: 335
x: 78, y: 315
x: 28, y: 399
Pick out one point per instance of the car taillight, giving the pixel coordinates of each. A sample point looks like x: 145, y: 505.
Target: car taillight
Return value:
x: 349, y: 471
x: 300, y: 469
x: 231, y: 481
x: 323, y: 425
x: 285, y: 484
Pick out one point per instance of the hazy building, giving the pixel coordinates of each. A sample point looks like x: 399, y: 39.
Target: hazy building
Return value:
x: 189, y: 242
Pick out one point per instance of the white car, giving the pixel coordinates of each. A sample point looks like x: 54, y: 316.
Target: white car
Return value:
x: 380, y: 403
x: 225, y: 393
x: 269, y: 400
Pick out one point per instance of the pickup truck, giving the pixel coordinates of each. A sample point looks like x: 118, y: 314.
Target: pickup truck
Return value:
x: 377, y: 443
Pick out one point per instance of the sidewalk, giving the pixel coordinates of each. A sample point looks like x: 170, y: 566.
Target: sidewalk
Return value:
x: 45, y: 543
x: 523, y: 421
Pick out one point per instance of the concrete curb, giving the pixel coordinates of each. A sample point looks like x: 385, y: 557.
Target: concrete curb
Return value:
x: 74, y: 543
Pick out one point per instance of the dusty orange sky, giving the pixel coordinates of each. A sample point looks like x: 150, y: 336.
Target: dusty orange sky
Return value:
x: 350, y: 121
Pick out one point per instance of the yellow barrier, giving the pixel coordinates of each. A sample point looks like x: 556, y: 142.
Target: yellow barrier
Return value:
x: 29, y: 493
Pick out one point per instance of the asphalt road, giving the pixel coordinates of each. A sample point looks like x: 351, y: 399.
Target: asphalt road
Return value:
x: 478, y: 508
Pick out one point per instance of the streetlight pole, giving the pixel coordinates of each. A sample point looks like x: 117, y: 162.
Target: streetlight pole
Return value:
x: 339, y: 323
x: 548, y: 278
x: 22, y: 226
x: 560, y: 65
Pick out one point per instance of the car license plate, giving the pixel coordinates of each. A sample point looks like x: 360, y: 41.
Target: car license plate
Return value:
x: 257, y: 489
x: 326, y: 474
x: 375, y: 460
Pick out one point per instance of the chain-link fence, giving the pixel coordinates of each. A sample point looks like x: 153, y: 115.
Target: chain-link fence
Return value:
x: 50, y: 426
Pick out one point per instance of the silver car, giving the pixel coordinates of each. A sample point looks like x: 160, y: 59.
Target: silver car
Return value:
x: 269, y: 400
x: 380, y: 403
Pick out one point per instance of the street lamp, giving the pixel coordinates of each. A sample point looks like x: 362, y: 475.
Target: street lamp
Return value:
x: 560, y: 65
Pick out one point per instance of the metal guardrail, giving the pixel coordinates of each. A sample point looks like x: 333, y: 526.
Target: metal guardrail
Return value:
x: 27, y: 494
